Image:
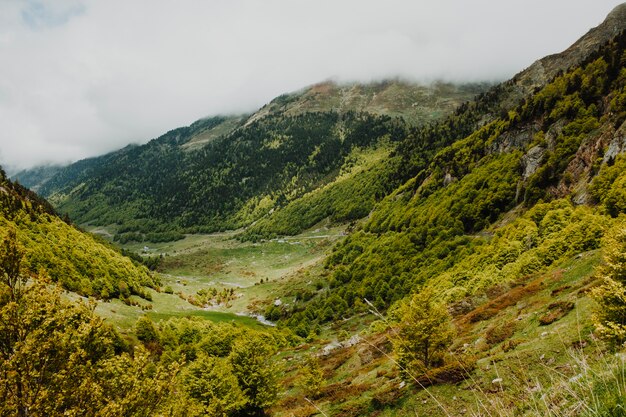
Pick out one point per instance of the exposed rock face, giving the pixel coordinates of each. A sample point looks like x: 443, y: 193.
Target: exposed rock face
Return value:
x: 448, y: 179
x: 617, y: 144
x: 518, y: 139
x: 532, y: 160
x: 603, y: 146
x: 553, y: 133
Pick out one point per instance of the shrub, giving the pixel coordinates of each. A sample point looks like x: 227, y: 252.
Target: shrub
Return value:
x: 555, y: 312
x: 499, y: 333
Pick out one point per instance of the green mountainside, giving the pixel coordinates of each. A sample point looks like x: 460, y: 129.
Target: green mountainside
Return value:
x: 506, y: 240
x: 536, y: 162
x: 34, y: 178
x: 227, y: 172
x: 76, y: 260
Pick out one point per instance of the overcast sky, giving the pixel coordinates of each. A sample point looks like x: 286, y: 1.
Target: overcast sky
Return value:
x: 82, y: 77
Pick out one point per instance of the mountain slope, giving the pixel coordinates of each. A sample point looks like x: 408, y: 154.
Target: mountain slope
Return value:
x: 442, y: 226
x: 34, y: 178
x: 416, y: 103
x: 414, y: 153
x: 73, y: 258
x: 506, y: 225
x: 227, y: 172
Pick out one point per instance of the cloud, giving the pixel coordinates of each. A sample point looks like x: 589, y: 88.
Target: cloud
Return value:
x: 83, y: 77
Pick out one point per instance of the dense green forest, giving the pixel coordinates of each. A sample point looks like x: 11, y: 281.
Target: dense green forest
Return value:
x: 78, y: 261
x: 214, y: 188
x: 228, y: 172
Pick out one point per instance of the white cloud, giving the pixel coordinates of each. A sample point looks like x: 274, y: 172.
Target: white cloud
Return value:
x: 82, y: 77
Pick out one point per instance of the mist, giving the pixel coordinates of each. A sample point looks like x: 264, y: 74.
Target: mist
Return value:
x: 81, y: 78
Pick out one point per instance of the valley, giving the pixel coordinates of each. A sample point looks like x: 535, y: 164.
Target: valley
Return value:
x: 377, y: 249
x: 258, y: 274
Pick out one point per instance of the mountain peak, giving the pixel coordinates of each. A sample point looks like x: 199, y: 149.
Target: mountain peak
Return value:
x: 616, y: 17
x: 545, y: 69
x: 416, y: 103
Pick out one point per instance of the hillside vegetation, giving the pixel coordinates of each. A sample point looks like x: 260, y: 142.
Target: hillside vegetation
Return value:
x: 436, y: 227
x: 228, y: 172
x: 480, y: 269
x: 74, y: 259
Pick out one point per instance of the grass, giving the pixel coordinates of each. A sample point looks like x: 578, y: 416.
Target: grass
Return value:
x: 525, y: 369
x: 259, y: 273
x: 215, y: 316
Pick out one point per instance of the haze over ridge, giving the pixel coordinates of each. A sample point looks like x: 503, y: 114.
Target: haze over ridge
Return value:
x: 87, y: 77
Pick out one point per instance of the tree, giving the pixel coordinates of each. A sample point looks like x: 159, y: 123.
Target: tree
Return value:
x: 11, y: 256
x: 129, y: 385
x: 610, y: 316
x: 424, y: 332
x: 256, y: 372
x: 145, y: 330
x: 312, y: 376
x: 210, y: 381
x: 58, y: 357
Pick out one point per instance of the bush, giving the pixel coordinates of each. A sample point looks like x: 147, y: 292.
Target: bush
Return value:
x: 555, y: 312
x: 451, y: 373
x: 499, y: 333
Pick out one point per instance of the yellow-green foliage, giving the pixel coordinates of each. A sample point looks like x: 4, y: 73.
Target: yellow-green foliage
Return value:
x: 424, y: 333
x: 609, y: 187
x: 349, y: 197
x: 312, y: 376
x: 231, y: 370
x: 435, y: 228
x: 73, y: 258
x: 58, y: 358
x: 610, y: 317
x: 545, y: 235
x: 212, y: 296
x: 212, y: 387
x: 468, y: 203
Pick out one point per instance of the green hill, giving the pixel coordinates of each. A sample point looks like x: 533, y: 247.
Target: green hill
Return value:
x: 521, y: 171
x: 73, y: 258
x: 227, y: 172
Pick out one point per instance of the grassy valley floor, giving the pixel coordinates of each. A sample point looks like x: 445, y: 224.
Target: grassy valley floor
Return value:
x: 246, y: 276
x: 527, y: 347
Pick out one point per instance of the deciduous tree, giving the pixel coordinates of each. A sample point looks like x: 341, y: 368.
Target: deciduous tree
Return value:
x: 610, y: 316
x: 256, y: 371
x: 424, y: 332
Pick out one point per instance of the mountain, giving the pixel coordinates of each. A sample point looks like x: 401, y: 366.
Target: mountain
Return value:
x: 34, y: 178
x: 414, y: 152
x: 550, y: 155
x: 228, y: 172
x: 418, y: 104
x: 483, y: 271
x: 505, y: 249
x: 545, y: 69
x: 75, y: 259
